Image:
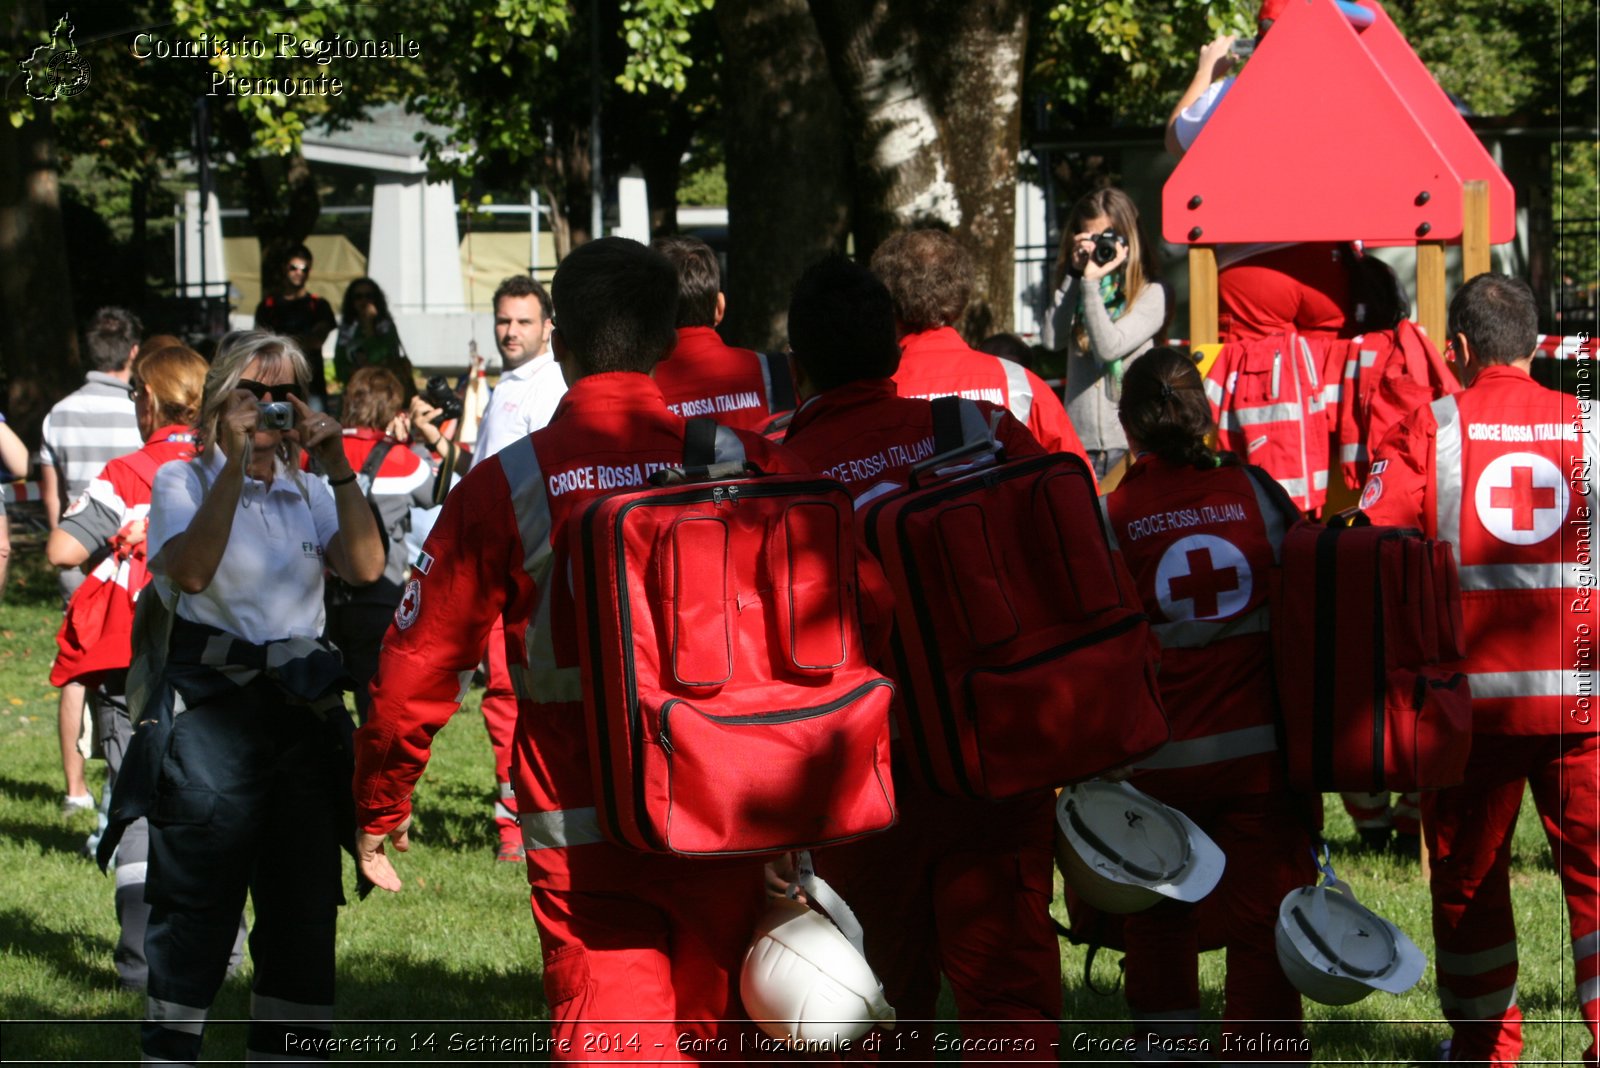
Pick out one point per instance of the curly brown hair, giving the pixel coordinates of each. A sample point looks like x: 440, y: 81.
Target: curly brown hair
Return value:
x: 929, y: 276
x: 373, y: 398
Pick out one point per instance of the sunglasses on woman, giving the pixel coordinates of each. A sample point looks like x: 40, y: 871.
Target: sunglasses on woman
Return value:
x: 278, y: 391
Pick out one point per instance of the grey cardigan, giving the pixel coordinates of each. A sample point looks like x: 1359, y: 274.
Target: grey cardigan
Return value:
x: 1091, y: 392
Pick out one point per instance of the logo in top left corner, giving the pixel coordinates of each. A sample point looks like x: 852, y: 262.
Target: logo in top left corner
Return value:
x: 57, y: 70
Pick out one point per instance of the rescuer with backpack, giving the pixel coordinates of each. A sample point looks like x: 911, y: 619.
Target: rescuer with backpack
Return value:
x: 1504, y: 471
x: 960, y: 885
x: 626, y: 935
x: 1201, y: 533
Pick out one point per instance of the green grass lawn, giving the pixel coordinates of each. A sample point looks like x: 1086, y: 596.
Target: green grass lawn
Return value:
x: 458, y: 944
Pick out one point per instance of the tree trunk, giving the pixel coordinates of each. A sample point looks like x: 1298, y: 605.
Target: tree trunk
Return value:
x: 284, y: 203
x: 38, y: 341
x: 787, y: 163
x: 932, y: 94
x: 567, y: 192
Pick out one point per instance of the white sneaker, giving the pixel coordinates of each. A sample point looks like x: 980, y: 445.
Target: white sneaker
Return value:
x: 71, y: 804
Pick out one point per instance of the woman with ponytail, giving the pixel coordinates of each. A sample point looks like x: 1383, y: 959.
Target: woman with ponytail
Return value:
x: 1200, y: 532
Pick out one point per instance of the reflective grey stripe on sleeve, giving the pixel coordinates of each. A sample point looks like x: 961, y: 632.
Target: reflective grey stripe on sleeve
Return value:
x: 264, y: 1007
x: 1587, y: 946
x: 505, y: 807
x: 530, y: 503
x: 1488, y: 1006
x: 1588, y: 990
x: 1199, y: 633
x: 1214, y: 392
x: 1352, y: 454
x: 1019, y: 391
x: 174, y: 1016
x: 132, y: 874
x: 1483, y: 960
x: 1520, y: 576
x: 766, y: 378
x: 1525, y: 683
x: 464, y: 683
x: 1447, y: 471
x: 1212, y: 749
x: 561, y: 828
x: 728, y: 448
x: 1276, y: 523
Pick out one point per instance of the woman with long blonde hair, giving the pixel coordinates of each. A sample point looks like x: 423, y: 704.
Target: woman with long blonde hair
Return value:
x: 1109, y: 306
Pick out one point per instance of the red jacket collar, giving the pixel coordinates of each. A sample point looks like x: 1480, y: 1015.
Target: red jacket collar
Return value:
x: 1500, y: 372
x: 176, y: 433
x: 841, y: 400
x: 627, y: 390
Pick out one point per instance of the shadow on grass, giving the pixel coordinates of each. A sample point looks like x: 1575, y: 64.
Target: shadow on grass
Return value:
x: 53, y: 834
x: 75, y: 956
x: 389, y: 987
x: 458, y: 814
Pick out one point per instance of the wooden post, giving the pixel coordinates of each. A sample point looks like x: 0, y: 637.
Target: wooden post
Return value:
x: 1474, y: 229
x: 1202, y: 295
x: 1431, y: 303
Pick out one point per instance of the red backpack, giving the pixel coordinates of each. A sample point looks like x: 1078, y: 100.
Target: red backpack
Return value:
x: 729, y: 701
x: 1012, y: 616
x: 1386, y: 375
x: 1366, y: 623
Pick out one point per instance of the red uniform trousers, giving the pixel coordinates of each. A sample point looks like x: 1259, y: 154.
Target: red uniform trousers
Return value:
x: 1303, y: 288
x: 1269, y: 854
x: 500, y: 720
x: 630, y: 974
x: 1469, y: 829
x: 961, y: 887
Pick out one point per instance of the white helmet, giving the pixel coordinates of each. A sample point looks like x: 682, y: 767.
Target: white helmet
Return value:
x: 805, y: 984
x: 1121, y: 850
x: 1336, y: 951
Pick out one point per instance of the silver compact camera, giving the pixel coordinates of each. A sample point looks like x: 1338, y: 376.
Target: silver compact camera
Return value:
x: 275, y: 415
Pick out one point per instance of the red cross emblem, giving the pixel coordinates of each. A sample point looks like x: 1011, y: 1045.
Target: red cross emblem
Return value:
x: 1204, y: 583
x: 410, y: 604
x: 1522, y: 497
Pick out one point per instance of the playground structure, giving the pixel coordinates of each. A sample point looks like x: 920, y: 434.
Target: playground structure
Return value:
x: 1336, y: 131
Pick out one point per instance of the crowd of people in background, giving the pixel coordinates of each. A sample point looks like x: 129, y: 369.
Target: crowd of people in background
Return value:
x: 298, y: 534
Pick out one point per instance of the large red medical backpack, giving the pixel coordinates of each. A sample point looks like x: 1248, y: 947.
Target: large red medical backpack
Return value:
x: 730, y: 705
x: 1366, y: 624
x: 1023, y: 656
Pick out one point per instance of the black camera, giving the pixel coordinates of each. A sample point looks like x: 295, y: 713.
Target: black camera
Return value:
x: 439, y: 394
x: 1106, y: 245
x: 275, y: 415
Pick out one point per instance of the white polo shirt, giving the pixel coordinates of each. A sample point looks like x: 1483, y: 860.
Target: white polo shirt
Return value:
x: 269, y: 583
x: 523, y: 401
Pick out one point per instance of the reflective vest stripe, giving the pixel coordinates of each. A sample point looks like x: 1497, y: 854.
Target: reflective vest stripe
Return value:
x: 1520, y: 576
x: 530, y: 504
x: 1212, y: 749
x: 1352, y: 454
x: 1214, y: 392
x: 542, y: 680
x: 1488, y: 1006
x: 561, y: 828
x: 1264, y: 413
x: 1019, y: 391
x: 1199, y: 633
x: 1296, y: 487
x: 1588, y: 990
x: 1447, y: 471
x: 1491, y: 684
x: 1476, y: 963
x: 728, y: 448
x: 1276, y: 523
x: 1105, y: 521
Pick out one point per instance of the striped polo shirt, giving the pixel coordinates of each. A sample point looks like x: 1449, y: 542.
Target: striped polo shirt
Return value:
x: 87, y: 429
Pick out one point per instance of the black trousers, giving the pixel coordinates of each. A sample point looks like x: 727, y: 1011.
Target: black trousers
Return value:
x: 251, y: 798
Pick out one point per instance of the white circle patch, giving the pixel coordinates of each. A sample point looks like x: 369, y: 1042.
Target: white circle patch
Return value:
x: 1202, y: 577
x: 410, y: 604
x: 1521, y: 498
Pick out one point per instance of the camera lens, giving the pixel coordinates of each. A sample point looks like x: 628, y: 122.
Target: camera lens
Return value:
x: 1105, y: 247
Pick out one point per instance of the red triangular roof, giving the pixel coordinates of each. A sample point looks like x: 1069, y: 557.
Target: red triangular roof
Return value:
x: 1332, y: 134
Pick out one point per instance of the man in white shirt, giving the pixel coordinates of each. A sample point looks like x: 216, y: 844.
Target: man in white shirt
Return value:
x: 531, y: 385
x: 523, y: 401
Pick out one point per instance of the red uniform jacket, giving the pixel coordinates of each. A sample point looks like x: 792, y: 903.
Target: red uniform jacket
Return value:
x: 1200, y: 546
x: 867, y: 437
x: 702, y: 376
x: 499, y: 549
x: 937, y: 363
x: 1504, y: 471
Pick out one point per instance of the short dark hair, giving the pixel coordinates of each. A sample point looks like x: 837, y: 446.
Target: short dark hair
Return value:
x: 300, y: 251
x: 699, y: 278
x: 1499, y: 316
x: 841, y: 324
x: 616, y: 301
x: 520, y: 285
x: 929, y: 275
x: 110, y: 338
